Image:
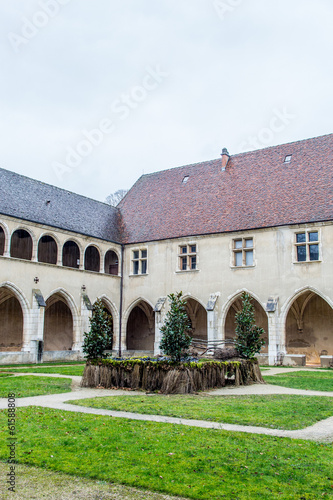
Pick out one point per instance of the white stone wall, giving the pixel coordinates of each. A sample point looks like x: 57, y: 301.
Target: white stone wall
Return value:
x: 275, y: 274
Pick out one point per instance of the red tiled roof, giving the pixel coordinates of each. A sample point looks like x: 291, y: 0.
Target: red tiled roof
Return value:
x: 257, y: 190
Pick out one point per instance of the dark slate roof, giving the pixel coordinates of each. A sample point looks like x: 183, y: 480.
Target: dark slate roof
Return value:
x: 257, y: 190
x: 36, y: 201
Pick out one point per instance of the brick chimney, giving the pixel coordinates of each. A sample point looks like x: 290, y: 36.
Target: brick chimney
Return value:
x: 225, y: 158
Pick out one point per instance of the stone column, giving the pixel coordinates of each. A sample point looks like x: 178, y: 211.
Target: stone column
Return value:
x: 160, y: 310
x: 274, y: 347
x: 212, y: 318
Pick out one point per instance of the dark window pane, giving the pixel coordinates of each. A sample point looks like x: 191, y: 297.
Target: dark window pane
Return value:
x: 2, y: 241
x: 144, y: 254
x: 314, y: 252
x: 193, y: 248
x: 21, y: 245
x: 111, y: 262
x: 183, y: 249
x: 92, y: 259
x: 136, y: 254
x: 300, y: 238
x: 143, y: 266
x: 301, y: 253
x: 313, y: 236
x: 193, y: 262
x: 71, y: 255
x: 184, y: 263
x: 136, y: 267
x: 47, y: 250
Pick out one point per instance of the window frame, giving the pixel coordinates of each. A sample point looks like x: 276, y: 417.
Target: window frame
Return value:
x: 186, y: 258
x: 139, y: 263
x: 307, y: 244
x: 242, y: 250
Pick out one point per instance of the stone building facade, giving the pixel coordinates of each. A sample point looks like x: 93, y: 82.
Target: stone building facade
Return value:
x: 259, y: 222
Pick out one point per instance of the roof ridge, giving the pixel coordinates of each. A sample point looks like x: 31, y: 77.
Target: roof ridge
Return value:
x: 281, y: 145
x: 234, y: 155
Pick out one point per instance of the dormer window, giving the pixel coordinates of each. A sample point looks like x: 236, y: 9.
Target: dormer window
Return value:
x: 287, y: 159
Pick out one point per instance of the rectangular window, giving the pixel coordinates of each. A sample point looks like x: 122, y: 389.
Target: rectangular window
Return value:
x: 188, y: 257
x: 139, y: 261
x: 243, y: 252
x: 307, y: 246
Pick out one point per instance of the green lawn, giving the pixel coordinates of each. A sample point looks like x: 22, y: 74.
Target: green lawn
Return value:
x: 47, y: 363
x: 178, y: 460
x: 33, y: 386
x: 310, y: 380
x: 278, y: 412
x: 60, y: 370
x: 37, y: 483
x: 6, y: 374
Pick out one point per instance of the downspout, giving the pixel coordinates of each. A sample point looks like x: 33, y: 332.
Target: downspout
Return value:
x: 121, y: 298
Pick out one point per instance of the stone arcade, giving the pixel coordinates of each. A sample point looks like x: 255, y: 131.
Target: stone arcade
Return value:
x: 259, y: 221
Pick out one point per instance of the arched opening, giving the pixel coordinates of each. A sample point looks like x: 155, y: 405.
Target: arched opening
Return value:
x: 71, y: 255
x: 2, y: 241
x: 198, y: 318
x: 260, y: 316
x: 140, y: 331
x: 47, y: 250
x: 58, y: 325
x: 11, y: 322
x: 92, y: 259
x: 110, y: 318
x: 111, y: 263
x: 21, y: 245
x: 309, y: 327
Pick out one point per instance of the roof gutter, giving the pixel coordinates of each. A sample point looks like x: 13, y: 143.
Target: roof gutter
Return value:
x: 121, y: 299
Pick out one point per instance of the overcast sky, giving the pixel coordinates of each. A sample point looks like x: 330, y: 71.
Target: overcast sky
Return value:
x: 95, y: 93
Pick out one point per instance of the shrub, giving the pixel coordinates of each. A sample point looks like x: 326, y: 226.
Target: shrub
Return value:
x: 100, y: 335
x: 248, y: 336
x: 176, y: 337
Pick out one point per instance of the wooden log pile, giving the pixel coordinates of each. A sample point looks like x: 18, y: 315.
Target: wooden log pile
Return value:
x: 167, y: 377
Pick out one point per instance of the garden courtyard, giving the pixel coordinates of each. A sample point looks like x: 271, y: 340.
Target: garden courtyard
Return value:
x: 266, y: 441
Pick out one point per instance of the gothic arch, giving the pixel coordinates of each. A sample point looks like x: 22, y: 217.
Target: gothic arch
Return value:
x: 61, y: 295
x: 233, y: 305
x: 140, y: 326
x: 197, y: 314
x: 307, y: 324
x: 15, y: 318
x: 115, y: 315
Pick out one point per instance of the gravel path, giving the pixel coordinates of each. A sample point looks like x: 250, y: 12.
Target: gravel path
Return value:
x: 321, y: 431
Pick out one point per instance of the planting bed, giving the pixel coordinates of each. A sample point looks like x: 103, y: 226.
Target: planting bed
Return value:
x: 168, y: 377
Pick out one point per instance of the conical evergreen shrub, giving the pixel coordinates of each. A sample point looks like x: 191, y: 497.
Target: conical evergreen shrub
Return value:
x: 248, y: 336
x: 176, y: 337
x: 100, y: 335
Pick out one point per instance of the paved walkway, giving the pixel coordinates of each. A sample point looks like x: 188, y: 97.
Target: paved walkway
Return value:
x: 321, y: 431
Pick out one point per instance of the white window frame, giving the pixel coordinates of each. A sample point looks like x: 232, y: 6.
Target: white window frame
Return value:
x: 242, y: 250
x: 139, y: 261
x: 188, y: 255
x: 307, y: 243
